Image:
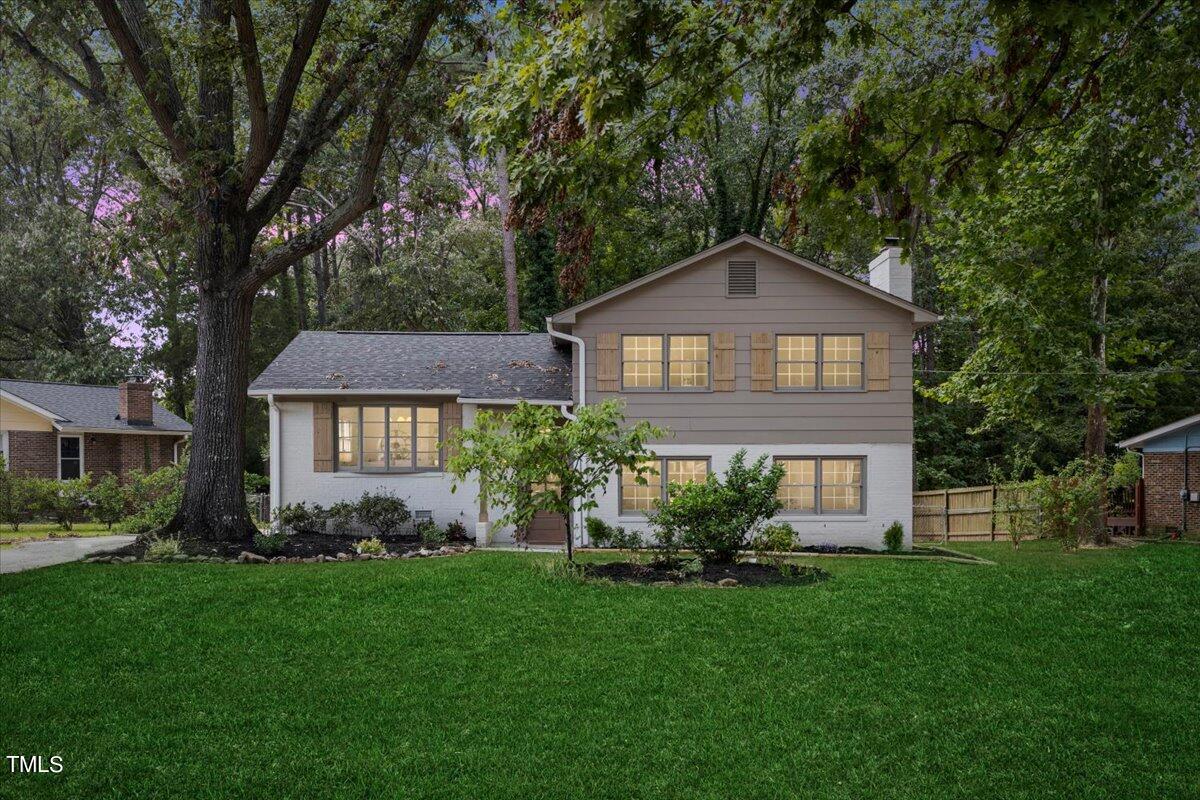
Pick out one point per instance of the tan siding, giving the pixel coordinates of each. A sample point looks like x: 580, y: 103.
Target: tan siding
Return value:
x: 15, y: 418
x: 791, y: 300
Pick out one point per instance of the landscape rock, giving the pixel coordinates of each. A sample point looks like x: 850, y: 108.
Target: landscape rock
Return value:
x: 343, y: 556
x: 247, y: 557
x: 727, y: 582
x: 410, y: 554
x: 663, y: 583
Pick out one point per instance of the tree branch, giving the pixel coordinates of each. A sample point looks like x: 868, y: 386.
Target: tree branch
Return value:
x: 256, y: 95
x: 280, y: 111
x: 24, y: 44
x: 362, y: 197
x: 146, y: 59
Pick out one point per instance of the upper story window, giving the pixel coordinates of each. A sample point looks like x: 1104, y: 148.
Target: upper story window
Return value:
x: 819, y: 361
x: 382, y: 438
x: 638, y: 498
x: 682, y: 359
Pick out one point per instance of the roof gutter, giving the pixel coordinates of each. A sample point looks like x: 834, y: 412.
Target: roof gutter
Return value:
x: 348, y: 392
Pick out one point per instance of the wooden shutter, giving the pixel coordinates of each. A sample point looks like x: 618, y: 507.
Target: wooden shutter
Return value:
x: 762, y: 361
x: 451, y: 421
x: 608, y: 364
x: 879, y: 361
x: 724, y: 378
x: 322, y: 437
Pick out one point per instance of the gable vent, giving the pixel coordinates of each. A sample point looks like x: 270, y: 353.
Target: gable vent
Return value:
x: 742, y: 279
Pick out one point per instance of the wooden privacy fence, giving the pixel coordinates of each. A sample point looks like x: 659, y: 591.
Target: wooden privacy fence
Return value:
x: 972, y: 513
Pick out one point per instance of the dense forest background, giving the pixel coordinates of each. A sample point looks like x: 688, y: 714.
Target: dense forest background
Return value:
x: 1039, y: 167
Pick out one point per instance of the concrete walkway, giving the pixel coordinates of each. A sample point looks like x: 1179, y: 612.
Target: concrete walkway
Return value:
x: 48, y: 552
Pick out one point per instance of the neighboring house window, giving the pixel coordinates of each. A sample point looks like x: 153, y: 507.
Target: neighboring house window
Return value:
x: 825, y: 361
x: 395, y: 438
x: 70, y: 457
x: 684, y: 359
x: 637, y: 498
x: 822, y: 485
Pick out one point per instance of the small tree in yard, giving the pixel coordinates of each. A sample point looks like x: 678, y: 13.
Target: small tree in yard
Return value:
x: 15, y: 497
x: 532, y: 459
x: 717, y: 518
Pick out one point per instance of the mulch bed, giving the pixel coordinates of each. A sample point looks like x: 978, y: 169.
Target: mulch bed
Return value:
x: 740, y: 574
x: 299, y: 545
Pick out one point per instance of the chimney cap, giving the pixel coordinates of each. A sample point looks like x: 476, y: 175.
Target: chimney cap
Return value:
x: 136, y: 377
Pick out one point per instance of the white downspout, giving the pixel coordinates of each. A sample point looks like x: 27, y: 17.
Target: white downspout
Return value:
x: 276, y: 459
x: 577, y: 522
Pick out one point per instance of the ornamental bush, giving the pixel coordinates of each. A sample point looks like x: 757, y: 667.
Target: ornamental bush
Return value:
x: 383, y: 511
x: 154, y: 497
x: 60, y: 501
x: 109, y: 501
x: 16, y: 497
x: 716, y: 518
x: 893, y: 537
x: 301, y: 518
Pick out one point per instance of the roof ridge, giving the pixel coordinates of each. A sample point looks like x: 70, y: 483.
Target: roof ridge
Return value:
x: 61, y: 383
x: 437, y: 333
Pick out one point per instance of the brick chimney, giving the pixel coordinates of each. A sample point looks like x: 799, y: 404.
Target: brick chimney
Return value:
x: 890, y: 273
x: 136, y: 400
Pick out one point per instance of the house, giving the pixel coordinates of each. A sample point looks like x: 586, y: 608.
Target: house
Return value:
x: 1171, y: 473
x: 743, y: 345
x: 63, y: 430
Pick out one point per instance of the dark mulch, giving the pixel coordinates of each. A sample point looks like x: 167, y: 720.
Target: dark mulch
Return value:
x: 299, y: 545
x: 745, y: 573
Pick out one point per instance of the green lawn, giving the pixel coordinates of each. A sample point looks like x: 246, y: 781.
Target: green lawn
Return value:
x: 1046, y: 675
x: 44, y: 530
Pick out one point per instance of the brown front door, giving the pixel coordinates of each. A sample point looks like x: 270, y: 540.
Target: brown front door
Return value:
x: 547, y: 527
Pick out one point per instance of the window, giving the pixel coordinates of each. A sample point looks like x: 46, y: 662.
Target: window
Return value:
x: 686, y: 361
x: 4, y: 449
x: 388, y: 438
x: 641, y: 362
x: 70, y: 457
x: 822, y: 485
x: 819, y: 361
x: 636, y: 498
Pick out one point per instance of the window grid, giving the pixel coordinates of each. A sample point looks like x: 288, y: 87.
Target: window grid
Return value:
x: 836, y: 358
x: 636, y: 498
x: 682, y: 360
x: 388, y: 438
x: 70, y: 457
x: 826, y: 485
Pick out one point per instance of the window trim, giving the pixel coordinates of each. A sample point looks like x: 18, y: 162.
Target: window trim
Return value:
x: 58, y: 456
x: 4, y: 437
x: 861, y: 511
x: 387, y: 450
x: 634, y: 513
x: 665, y: 343
x: 820, y: 377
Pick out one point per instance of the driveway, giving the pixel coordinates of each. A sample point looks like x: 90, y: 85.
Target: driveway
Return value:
x: 48, y: 552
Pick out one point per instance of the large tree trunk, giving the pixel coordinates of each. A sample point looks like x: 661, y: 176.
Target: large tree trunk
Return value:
x: 214, y: 505
x: 511, y: 302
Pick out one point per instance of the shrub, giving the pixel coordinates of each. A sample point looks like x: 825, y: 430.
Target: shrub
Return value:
x: 430, y: 534
x: 456, y: 531
x: 341, y: 516
x: 1070, y: 501
x: 109, y: 501
x: 154, y: 497
x: 272, y: 542
x: 716, y: 518
x: 778, y: 537
x: 16, y: 497
x: 301, y: 518
x: 599, y: 532
x: 893, y: 537
x: 1126, y: 470
x: 60, y: 501
x: 383, y: 511
x: 372, y: 547
x: 158, y: 549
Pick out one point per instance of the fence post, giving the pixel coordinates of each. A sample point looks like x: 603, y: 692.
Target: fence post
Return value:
x: 993, y: 514
x: 945, y: 515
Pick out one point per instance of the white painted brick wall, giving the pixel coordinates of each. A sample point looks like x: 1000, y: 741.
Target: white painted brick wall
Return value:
x: 888, y: 492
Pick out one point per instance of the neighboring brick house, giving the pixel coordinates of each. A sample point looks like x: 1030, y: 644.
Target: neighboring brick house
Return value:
x: 742, y: 346
x: 1172, y: 483
x: 62, y: 430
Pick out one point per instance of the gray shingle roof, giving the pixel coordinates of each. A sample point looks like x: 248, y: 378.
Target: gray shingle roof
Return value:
x: 77, y: 406
x: 486, y: 365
